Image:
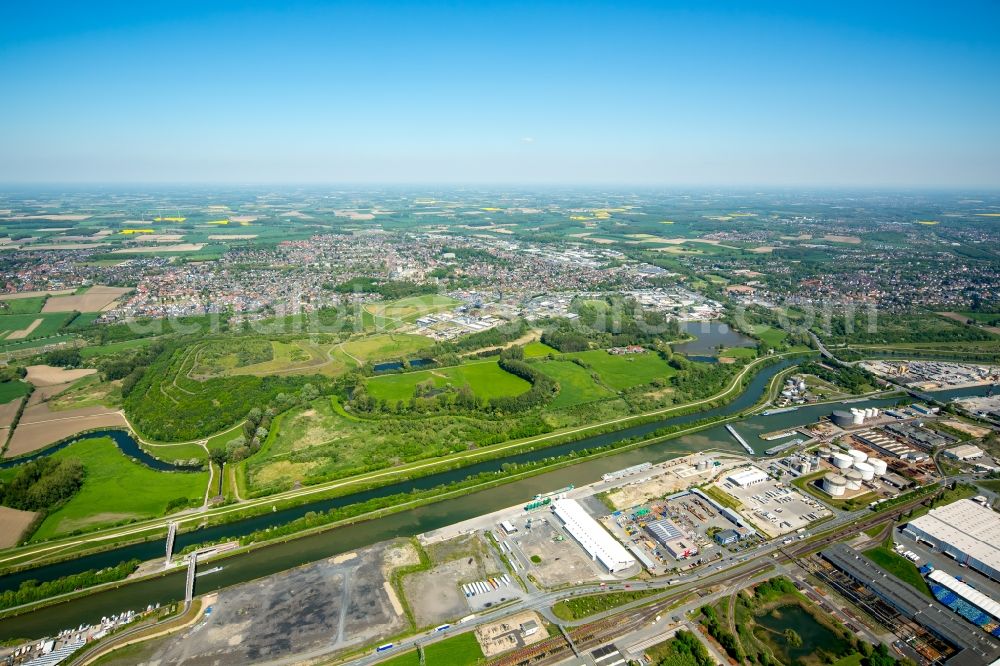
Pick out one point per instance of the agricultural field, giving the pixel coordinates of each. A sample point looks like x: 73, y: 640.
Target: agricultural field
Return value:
x: 30, y: 326
x: 12, y: 389
x: 116, y: 489
x: 18, y: 306
x: 485, y: 378
x: 626, y: 371
x: 576, y: 384
x: 94, y: 299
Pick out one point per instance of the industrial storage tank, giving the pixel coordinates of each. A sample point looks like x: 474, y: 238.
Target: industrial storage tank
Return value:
x: 702, y: 465
x: 858, y: 456
x: 870, y: 413
x: 842, y: 419
x: 857, y: 416
x: 880, y: 466
x: 842, y: 460
x: 867, y: 470
x: 824, y: 451
x: 853, y: 477
x: 834, y: 484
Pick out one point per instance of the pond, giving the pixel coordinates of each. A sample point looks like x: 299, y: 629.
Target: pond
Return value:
x: 771, y: 628
x: 398, y: 365
x: 709, y: 335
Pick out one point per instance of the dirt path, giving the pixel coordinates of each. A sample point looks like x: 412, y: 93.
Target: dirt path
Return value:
x: 962, y: 319
x: 531, y: 336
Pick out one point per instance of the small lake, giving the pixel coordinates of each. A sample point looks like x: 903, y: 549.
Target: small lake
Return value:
x: 122, y: 439
x: 710, y: 334
x: 815, y: 636
x: 397, y: 365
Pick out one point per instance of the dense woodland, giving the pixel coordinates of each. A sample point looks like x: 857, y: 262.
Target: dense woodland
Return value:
x: 42, y: 484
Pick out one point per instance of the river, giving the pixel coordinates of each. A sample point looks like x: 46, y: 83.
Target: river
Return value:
x: 279, y: 557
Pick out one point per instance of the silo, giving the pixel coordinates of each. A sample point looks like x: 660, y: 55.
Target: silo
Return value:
x: 880, y: 466
x: 853, y: 477
x: 842, y: 460
x: 804, y: 467
x: 867, y: 470
x: 834, y: 484
x: 842, y: 419
x: 857, y: 456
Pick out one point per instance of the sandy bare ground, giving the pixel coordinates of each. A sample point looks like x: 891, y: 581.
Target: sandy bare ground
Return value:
x: 13, y: 522
x: 93, y: 300
x: 668, y: 478
x: 7, y: 412
x: 47, y: 375
x: 39, y: 427
x: 33, y: 294
x: 232, y: 236
x: 968, y: 428
x: 180, y: 247
x: 763, y: 249
x: 25, y: 332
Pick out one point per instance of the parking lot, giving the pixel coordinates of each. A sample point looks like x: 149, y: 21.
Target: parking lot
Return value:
x: 774, y: 507
x: 558, y: 558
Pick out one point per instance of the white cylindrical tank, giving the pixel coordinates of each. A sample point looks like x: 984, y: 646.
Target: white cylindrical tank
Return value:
x: 870, y: 413
x: 834, y: 484
x: 857, y: 456
x: 857, y: 416
x: 853, y: 477
x: 875, y: 411
x: 867, y: 470
x: 880, y: 466
x: 842, y: 460
x: 802, y: 385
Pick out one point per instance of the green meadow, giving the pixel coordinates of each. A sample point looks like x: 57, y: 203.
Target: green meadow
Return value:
x: 626, y: 371
x: 576, y: 385
x: 485, y: 378
x: 117, y: 489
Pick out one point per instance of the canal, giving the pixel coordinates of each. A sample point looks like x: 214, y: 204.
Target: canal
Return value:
x: 279, y: 557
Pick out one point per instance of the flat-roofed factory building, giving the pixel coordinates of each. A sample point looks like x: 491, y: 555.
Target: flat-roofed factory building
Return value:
x: 596, y: 540
x: 965, y: 531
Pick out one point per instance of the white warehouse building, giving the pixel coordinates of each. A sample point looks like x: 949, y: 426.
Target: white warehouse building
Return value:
x: 596, y: 540
x: 963, y: 530
x: 748, y: 477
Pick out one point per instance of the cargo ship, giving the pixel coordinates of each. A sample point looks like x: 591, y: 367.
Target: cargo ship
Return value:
x: 782, y: 410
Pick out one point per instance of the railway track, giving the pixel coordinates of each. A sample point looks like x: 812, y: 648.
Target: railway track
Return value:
x: 592, y: 635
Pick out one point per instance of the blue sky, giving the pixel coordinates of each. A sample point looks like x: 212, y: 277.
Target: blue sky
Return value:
x: 799, y: 93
